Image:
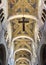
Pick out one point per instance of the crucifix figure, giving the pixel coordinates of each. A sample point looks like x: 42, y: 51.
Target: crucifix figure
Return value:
x: 23, y: 22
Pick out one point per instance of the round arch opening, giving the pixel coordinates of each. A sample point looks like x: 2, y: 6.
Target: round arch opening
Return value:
x: 43, y: 54
x: 2, y: 55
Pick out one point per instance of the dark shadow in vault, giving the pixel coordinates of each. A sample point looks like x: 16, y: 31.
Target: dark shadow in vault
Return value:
x: 43, y: 54
x: 2, y: 55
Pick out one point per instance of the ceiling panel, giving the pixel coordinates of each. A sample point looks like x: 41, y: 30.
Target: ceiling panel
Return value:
x: 28, y: 7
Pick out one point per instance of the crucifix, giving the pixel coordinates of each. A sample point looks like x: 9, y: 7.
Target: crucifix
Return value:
x: 23, y: 22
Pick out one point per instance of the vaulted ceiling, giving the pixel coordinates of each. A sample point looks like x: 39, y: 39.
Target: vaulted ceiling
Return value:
x: 22, y: 28
x: 17, y: 7
x: 23, y: 7
x: 23, y: 25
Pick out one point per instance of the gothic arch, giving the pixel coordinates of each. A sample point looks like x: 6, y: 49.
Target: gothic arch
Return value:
x: 2, y: 55
x: 43, y: 54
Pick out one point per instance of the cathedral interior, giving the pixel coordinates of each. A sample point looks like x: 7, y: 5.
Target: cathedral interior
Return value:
x: 22, y: 32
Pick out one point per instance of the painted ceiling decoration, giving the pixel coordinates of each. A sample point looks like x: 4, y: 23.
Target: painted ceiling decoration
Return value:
x: 26, y: 44
x: 21, y: 20
x: 23, y: 28
x: 17, y: 7
x: 23, y: 16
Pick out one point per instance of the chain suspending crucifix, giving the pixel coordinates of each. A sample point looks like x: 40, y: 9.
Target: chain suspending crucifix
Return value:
x: 23, y: 22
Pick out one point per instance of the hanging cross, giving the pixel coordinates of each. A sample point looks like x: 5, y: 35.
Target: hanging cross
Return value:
x: 23, y: 21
